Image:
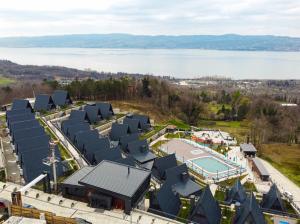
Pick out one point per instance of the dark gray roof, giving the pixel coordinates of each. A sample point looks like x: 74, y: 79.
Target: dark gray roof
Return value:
x: 124, y: 140
x: 78, y: 115
x: 162, y: 164
x: 83, y: 137
x: 236, y: 194
x: 134, y: 125
x: 18, y: 118
x: 139, y: 150
x: 115, y: 177
x: 93, y: 113
x: 144, y: 120
x: 16, y: 132
x: 147, y: 165
x: 24, y: 124
x: 113, y: 154
x: 20, y: 104
x: 28, y: 133
x: 261, y: 168
x: 73, y: 129
x: 180, y: 180
x: 118, y: 130
x: 168, y: 201
x: 78, y: 175
x: 30, y: 143
x: 66, y: 123
x: 61, y: 98
x: 248, y: 147
x: 10, y: 113
x: 43, y: 102
x: 249, y: 212
x: 127, y: 161
x: 206, y: 209
x: 106, y: 109
x: 97, y: 145
x: 272, y: 200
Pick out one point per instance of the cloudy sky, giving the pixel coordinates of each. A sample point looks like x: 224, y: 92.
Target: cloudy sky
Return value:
x: 51, y: 17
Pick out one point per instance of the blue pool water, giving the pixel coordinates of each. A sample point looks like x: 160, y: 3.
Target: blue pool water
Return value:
x: 211, y: 164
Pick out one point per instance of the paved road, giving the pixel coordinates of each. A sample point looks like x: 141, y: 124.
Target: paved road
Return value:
x: 283, y: 183
x: 80, y: 209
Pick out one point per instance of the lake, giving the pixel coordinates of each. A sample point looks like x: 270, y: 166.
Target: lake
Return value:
x: 183, y: 63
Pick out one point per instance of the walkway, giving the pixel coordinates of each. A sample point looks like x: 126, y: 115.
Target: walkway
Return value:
x: 282, y: 182
x: 80, y: 209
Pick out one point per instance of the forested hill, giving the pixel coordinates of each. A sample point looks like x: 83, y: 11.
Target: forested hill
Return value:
x: 11, y: 69
x: 214, y: 42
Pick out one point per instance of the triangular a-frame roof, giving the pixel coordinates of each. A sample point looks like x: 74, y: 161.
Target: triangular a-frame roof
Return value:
x: 93, y: 113
x: 162, y: 164
x: 139, y: 150
x: 113, y: 154
x: 118, y: 130
x: 144, y: 120
x: 236, y: 194
x: 272, y: 200
x: 61, y: 98
x: 43, y: 102
x: 20, y: 104
x: 83, y: 137
x: 91, y: 148
x: 249, y: 212
x: 124, y: 140
x: 106, y: 109
x: 78, y: 115
x: 206, y: 209
x: 134, y: 124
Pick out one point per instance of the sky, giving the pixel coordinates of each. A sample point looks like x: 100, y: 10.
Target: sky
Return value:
x: 149, y: 17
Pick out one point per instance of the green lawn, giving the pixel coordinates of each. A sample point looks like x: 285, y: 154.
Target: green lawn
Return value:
x: 283, y: 157
x: 63, y: 152
x: 184, y: 211
x: 155, y: 130
x: 180, y: 124
x: 6, y: 81
x: 215, y: 107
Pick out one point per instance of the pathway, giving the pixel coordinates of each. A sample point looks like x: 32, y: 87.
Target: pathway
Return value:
x: 80, y: 209
x: 283, y: 183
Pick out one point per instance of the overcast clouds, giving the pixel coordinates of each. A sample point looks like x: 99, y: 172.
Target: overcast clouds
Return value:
x: 51, y: 17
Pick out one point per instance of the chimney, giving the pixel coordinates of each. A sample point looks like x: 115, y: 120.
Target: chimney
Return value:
x: 248, y: 139
x: 128, y: 170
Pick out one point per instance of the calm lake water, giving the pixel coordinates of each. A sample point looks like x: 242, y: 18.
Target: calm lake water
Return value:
x: 184, y: 63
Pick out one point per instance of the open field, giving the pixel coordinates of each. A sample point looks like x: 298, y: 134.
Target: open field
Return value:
x: 237, y: 129
x: 215, y: 107
x: 5, y: 81
x: 285, y: 158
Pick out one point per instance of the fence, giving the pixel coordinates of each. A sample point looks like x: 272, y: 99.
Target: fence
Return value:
x: 50, y: 217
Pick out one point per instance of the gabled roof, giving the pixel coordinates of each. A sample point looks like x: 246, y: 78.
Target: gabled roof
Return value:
x: 162, y: 164
x: 83, y: 137
x: 144, y: 120
x: 236, y: 194
x: 168, y: 201
x: 43, y: 102
x: 118, y: 130
x: 113, y: 154
x: 106, y: 109
x: 11, y: 113
x: 272, y: 200
x: 93, y: 113
x: 248, y: 147
x: 23, y: 125
x: 31, y: 143
x: 73, y: 129
x: 206, y: 209
x: 20, y: 104
x: 115, y: 177
x: 78, y: 115
x: 61, y: 98
x: 24, y: 128
x: 18, y: 118
x: 28, y: 133
x: 124, y: 140
x: 134, y: 124
x: 249, y: 212
x: 139, y: 150
x: 32, y: 149
x: 78, y: 175
x: 180, y: 180
x: 261, y: 168
x: 91, y: 148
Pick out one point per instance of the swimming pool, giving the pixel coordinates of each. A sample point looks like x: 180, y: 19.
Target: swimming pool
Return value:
x: 211, y: 164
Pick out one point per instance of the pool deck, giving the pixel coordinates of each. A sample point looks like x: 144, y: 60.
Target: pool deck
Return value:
x: 183, y: 149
